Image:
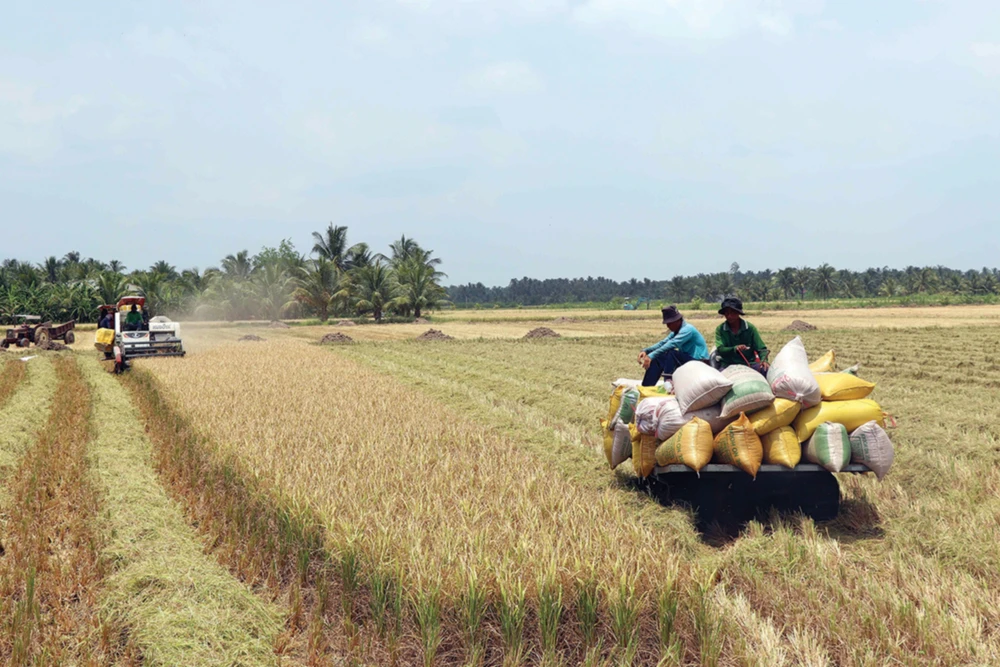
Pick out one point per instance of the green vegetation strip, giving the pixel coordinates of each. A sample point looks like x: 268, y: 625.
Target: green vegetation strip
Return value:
x: 24, y: 414
x: 181, y: 606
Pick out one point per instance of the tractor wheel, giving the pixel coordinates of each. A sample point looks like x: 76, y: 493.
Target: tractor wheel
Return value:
x: 23, y: 342
x: 70, y: 337
x: 42, y: 338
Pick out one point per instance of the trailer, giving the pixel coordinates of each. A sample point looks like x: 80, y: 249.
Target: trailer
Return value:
x: 41, y: 334
x: 726, y: 495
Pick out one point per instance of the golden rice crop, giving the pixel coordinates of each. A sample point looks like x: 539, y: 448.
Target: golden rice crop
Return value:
x: 418, y: 490
x: 25, y: 412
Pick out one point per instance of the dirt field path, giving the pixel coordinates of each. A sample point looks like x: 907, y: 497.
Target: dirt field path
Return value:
x: 181, y: 606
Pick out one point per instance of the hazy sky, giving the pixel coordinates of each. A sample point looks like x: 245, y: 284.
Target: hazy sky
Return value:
x: 514, y: 137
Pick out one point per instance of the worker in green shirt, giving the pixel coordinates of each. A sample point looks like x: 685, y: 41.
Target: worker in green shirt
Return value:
x: 737, y: 342
x: 133, y: 320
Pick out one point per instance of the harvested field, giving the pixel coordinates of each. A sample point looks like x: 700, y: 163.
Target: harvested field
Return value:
x: 251, y: 338
x: 24, y: 413
x: 12, y: 372
x: 278, y: 325
x: 799, y: 325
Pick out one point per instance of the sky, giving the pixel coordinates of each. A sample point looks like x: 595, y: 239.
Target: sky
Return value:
x: 543, y: 138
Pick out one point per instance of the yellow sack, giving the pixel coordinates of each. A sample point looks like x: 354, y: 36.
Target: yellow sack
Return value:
x: 738, y: 445
x: 851, y: 414
x: 644, y: 454
x: 843, y: 386
x: 824, y: 364
x: 104, y: 337
x: 616, y: 404
x: 691, y: 446
x: 780, y: 413
x: 609, y: 440
x: 781, y: 447
x: 651, y: 392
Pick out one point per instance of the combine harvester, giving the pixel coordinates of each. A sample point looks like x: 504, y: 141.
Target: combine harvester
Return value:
x: 160, y: 337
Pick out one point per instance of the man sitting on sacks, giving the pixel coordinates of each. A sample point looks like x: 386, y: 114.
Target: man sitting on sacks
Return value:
x: 737, y: 342
x: 684, y: 344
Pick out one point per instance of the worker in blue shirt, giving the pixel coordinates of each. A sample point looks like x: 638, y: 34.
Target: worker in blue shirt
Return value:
x: 684, y: 344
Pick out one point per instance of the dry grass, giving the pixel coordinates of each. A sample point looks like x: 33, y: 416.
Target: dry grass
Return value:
x: 908, y: 574
x: 50, y: 572
x: 179, y: 605
x: 24, y: 413
x: 11, y: 375
x: 411, y: 491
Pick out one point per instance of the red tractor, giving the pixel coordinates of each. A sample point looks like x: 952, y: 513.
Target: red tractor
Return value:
x: 26, y: 333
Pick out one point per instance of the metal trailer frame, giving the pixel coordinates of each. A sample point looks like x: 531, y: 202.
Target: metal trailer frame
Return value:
x: 724, y: 494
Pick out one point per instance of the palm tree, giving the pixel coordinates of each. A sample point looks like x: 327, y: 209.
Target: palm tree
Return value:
x: 359, y: 255
x: 116, y: 266
x: 332, y: 246
x: 72, y: 257
x: 317, y: 286
x: 402, y: 249
x: 165, y: 268
x: 786, y: 282
x: 51, y: 267
x: 419, y: 288
x: 374, y: 288
x: 824, y: 281
x: 111, y: 286
x: 238, y: 266
x: 272, y: 288
x: 152, y: 285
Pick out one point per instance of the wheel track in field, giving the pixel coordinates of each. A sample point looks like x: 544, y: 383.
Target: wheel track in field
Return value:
x: 24, y: 413
x: 179, y: 605
x: 10, y: 378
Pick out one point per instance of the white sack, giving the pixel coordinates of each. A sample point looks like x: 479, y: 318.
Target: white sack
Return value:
x: 713, y: 415
x: 647, y: 414
x: 669, y: 419
x: 870, y: 445
x: 621, y: 448
x: 697, y: 385
x: 790, y: 377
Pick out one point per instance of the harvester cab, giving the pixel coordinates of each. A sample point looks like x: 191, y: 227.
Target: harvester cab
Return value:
x: 140, y: 337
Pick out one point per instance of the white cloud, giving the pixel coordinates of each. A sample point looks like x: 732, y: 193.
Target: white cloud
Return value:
x: 986, y: 49
x: 29, y: 126
x: 510, y: 77
x: 697, y: 18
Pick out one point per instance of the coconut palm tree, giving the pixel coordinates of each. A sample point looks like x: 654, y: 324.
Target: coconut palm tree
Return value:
x: 238, y: 266
x: 824, y: 281
x: 331, y: 245
x: 318, y: 287
x: 110, y: 287
x: 374, y: 289
x: 419, y: 288
x: 272, y: 287
x: 51, y: 267
x: 167, y: 269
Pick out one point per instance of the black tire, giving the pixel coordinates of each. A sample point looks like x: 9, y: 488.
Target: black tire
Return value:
x: 42, y: 337
x: 23, y: 342
x: 70, y: 338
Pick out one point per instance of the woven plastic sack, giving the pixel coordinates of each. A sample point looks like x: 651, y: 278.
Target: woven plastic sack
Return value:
x: 738, y: 445
x: 852, y: 414
x: 824, y: 364
x: 750, y: 391
x: 609, y: 441
x: 669, y: 419
x: 713, y: 415
x: 790, y: 377
x: 870, y: 445
x: 780, y: 413
x: 843, y: 386
x: 830, y: 447
x: 781, y: 447
x: 648, y: 413
x: 621, y: 447
x: 692, y: 446
x: 697, y: 385
x: 644, y: 455
x: 626, y: 409
x: 659, y: 391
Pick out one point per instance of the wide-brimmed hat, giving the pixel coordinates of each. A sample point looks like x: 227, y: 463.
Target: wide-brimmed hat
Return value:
x: 731, y: 302
x: 671, y: 315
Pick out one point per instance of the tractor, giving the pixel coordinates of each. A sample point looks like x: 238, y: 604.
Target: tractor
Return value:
x: 26, y: 333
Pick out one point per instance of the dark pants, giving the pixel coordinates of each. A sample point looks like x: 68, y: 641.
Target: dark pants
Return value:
x: 665, y: 364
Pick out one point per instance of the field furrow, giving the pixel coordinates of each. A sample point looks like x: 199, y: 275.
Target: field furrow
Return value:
x: 50, y: 571
x: 179, y: 606
x: 24, y: 413
x: 12, y: 372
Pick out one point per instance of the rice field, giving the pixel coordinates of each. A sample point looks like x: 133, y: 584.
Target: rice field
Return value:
x: 397, y: 501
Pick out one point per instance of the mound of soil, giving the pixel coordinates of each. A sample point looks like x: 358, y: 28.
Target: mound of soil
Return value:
x: 251, y: 337
x: 336, y: 338
x: 434, y: 334
x: 421, y: 320
x: 346, y: 323
x: 53, y: 345
x: 799, y: 325
x: 278, y: 325
x: 542, y: 332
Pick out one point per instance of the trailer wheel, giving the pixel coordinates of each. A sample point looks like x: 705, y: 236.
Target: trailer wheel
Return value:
x: 42, y: 337
x: 70, y: 338
x: 23, y: 342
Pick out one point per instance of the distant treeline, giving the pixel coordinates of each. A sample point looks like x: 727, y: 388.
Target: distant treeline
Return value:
x: 788, y: 284
x: 336, y: 279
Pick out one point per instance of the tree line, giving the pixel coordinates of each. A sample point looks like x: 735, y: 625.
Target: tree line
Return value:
x: 788, y: 284
x: 335, y: 280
